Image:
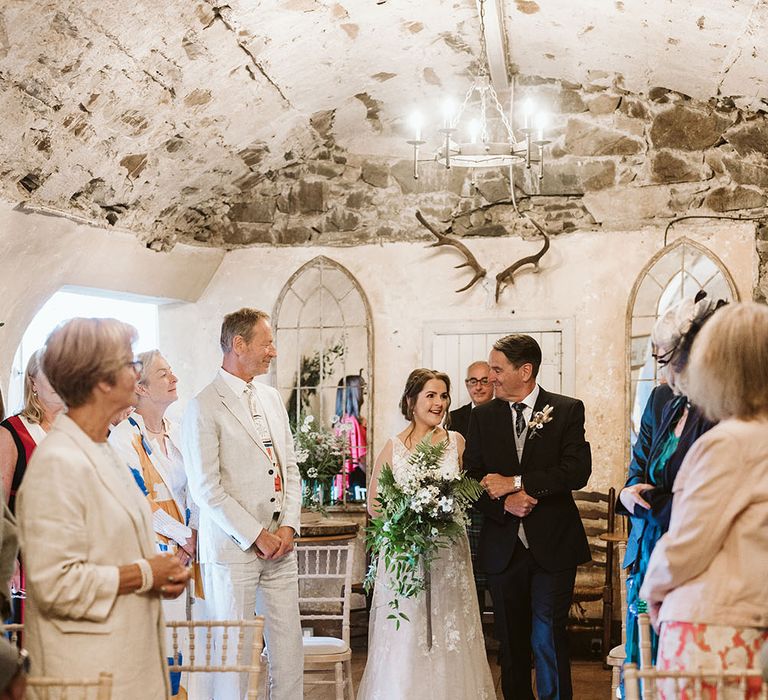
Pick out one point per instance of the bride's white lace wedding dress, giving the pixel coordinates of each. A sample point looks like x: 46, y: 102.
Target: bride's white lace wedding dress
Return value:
x: 400, y: 666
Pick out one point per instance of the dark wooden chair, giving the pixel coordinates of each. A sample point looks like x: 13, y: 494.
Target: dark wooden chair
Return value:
x: 594, y: 580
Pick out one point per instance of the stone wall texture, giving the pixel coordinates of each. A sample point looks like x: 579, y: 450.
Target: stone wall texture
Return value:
x: 616, y: 161
x: 235, y: 124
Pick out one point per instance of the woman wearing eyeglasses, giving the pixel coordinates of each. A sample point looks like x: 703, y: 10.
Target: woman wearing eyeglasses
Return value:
x: 148, y: 442
x: 670, y: 426
x: 94, y: 578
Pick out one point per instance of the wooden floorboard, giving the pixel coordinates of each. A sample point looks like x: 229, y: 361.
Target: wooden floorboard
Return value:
x: 590, y: 680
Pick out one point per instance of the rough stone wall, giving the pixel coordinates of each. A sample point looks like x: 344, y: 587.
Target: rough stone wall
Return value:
x: 616, y: 161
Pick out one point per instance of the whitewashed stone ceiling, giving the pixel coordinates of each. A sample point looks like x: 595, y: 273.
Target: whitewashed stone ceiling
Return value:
x: 704, y: 49
x: 157, y: 116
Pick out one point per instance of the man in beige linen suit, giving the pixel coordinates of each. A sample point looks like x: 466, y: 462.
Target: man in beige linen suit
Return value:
x: 238, y: 451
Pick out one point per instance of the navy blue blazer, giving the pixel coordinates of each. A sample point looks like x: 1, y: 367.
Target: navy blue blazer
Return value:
x: 661, y: 412
x: 460, y: 419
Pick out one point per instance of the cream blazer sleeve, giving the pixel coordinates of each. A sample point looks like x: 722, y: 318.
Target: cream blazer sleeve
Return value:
x: 709, y: 494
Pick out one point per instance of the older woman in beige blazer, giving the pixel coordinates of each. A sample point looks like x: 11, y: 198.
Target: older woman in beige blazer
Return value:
x: 93, y: 577
x: 706, y: 580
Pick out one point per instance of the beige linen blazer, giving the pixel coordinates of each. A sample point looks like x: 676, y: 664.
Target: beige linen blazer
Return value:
x: 81, y: 517
x: 228, y: 471
x: 712, y: 565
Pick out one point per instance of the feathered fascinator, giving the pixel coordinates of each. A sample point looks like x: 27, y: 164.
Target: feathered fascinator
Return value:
x: 678, y: 326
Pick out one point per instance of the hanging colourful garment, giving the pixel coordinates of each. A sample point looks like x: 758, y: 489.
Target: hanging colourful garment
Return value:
x: 357, y: 450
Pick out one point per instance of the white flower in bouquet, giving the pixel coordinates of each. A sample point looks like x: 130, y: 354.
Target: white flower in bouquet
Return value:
x: 301, y: 455
x: 409, y: 480
x: 446, y: 504
x: 426, y: 497
x: 449, y: 472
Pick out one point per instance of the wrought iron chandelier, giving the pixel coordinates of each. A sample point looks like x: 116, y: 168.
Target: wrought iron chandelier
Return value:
x: 480, y: 150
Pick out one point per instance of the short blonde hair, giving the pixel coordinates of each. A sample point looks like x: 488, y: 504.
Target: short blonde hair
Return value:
x: 33, y: 409
x: 146, y: 358
x: 242, y: 323
x: 728, y: 372
x: 82, y: 352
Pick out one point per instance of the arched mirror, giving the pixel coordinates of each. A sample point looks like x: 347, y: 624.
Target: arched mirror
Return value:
x: 678, y: 271
x: 324, y: 368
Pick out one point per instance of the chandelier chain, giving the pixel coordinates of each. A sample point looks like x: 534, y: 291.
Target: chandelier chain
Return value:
x: 483, y: 47
x: 482, y: 83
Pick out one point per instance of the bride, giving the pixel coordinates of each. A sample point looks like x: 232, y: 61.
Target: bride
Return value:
x: 401, y: 666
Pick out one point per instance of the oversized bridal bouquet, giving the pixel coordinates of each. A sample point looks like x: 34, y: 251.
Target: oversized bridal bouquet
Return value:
x: 422, y: 508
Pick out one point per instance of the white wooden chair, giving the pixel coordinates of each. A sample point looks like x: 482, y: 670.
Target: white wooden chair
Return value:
x: 731, y: 684
x: 644, y: 642
x: 44, y: 688
x: 325, y: 589
x: 13, y: 631
x: 237, y: 649
x: 618, y: 654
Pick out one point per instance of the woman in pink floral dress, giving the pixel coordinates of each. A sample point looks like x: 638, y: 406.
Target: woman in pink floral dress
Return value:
x: 707, y: 580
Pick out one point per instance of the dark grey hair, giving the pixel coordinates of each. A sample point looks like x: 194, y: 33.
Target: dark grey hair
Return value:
x: 520, y: 349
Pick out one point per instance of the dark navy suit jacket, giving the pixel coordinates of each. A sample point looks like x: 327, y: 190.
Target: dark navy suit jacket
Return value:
x: 554, y: 463
x: 460, y: 419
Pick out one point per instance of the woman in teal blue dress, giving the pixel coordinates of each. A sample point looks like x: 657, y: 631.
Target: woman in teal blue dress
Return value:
x: 669, y: 427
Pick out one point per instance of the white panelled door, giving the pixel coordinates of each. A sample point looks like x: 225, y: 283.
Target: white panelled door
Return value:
x: 451, y: 346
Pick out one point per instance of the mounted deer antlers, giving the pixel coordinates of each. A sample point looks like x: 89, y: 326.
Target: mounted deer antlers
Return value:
x: 443, y: 239
x: 505, y: 276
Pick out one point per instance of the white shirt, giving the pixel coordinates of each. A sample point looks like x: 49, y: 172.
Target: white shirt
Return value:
x: 238, y: 387
x: 530, y: 403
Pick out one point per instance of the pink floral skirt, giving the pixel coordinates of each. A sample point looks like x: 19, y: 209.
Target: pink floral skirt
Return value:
x: 689, y: 646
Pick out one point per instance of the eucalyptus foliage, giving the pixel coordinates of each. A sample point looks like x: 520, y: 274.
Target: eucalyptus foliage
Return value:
x: 421, y: 511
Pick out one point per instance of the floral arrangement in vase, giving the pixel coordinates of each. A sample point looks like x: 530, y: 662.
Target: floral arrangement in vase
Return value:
x: 320, y: 456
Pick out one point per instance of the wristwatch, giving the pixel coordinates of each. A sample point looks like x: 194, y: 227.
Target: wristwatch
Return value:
x: 518, y: 483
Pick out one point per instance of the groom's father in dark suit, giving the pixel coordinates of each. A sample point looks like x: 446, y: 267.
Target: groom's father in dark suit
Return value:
x: 529, y: 460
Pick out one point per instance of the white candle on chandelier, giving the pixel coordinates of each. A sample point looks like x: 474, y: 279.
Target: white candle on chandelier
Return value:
x: 474, y: 130
x: 527, y: 112
x: 447, y: 113
x: 416, y: 123
x: 541, y: 123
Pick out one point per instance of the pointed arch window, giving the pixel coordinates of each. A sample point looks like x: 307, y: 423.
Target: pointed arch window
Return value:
x: 324, y: 367
x: 678, y: 271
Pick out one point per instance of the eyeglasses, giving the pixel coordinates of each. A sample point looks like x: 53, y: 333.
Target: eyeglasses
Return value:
x: 137, y: 365
x: 664, y: 358
x: 473, y: 382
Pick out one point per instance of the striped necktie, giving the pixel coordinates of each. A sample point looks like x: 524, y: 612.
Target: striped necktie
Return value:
x: 519, y: 418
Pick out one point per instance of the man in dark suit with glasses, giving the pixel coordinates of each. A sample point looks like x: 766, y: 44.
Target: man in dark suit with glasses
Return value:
x: 480, y: 390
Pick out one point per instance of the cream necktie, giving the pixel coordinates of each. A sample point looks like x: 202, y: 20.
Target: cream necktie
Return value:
x: 262, y: 430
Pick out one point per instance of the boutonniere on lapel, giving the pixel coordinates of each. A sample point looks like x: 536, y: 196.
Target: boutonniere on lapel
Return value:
x: 538, y: 420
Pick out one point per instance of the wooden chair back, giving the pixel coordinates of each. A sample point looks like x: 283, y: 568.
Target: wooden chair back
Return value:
x: 730, y: 684
x: 221, y: 646
x: 594, y: 580
x: 45, y: 688
x: 325, y: 583
x: 13, y: 632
